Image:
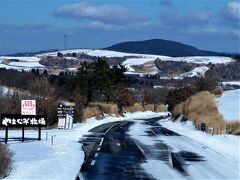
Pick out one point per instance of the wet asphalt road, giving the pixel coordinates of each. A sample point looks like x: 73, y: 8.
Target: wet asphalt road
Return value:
x: 111, y: 153
x: 116, y: 157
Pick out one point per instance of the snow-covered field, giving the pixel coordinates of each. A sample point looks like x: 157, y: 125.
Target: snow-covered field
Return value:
x: 63, y: 160
x: 26, y: 64
x: 65, y: 52
x: 25, y: 59
x: 136, y: 59
x: 198, y: 71
x: 203, y: 59
x: 229, y: 104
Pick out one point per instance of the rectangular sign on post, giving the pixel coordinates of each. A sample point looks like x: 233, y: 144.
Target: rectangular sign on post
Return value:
x: 61, y: 123
x: 28, y: 107
x: 16, y: 120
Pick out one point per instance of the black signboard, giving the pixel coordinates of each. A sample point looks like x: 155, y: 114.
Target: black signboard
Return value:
x: 63, y: 110
x: 16, y: 120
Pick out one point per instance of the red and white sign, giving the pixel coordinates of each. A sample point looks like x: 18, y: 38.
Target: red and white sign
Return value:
x: 28, y: 107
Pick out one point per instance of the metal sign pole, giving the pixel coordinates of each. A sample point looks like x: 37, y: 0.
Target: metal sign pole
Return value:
x: 39, y: 133
x: 6, y: 135
x: 23, y: 134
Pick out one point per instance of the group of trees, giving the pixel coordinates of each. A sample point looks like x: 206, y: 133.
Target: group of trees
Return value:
x: 181, y: 94
x: 99, y: 80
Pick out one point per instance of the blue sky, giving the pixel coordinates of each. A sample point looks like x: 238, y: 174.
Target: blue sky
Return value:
x: 30, y: 25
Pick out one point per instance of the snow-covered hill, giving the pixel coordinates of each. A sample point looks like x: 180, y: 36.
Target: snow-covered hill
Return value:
x: 147, y: 60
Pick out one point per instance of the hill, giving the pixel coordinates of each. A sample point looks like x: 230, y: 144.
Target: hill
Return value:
x: 160, y: 47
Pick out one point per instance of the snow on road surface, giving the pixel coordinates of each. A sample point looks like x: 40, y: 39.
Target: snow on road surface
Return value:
x: 213, y: 157
x: 63, y: 160
x: 225, y: 145
x: 229, y: 105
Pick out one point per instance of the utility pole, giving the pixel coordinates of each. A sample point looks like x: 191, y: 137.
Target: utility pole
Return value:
x: 65, y: 41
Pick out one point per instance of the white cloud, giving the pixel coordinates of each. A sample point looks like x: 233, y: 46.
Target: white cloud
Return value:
x: 233, y: 9
x: 104, y: 13
x: 104, y: 26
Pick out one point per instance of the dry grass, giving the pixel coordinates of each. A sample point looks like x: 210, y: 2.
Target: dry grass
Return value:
x: 98, y: 109
x: 149, y: 107
x: 91, y: 111
x: 107, y: 108
x: 202, y: 108
x: 217, y: 91
x: 161, y: 108
x: 233, y: 127
x: 136, y: 107
x: 6, y: 162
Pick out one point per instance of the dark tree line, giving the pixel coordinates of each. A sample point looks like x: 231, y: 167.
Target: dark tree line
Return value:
x: 98, y: 79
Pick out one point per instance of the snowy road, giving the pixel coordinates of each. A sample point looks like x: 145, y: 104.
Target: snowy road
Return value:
x: 143, y: 149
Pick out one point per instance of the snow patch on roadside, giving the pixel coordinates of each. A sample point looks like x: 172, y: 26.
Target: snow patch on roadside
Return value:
x: 227, y: 145
x: 229, y: 105
x: 41, y: 160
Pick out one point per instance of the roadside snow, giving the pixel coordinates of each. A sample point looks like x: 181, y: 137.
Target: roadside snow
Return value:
x: 41, y: 160
x: 229, y: 104
x: 231, y: 83
x: 226, y: 145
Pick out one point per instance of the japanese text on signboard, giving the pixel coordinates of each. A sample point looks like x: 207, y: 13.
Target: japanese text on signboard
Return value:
x: 10, y: 120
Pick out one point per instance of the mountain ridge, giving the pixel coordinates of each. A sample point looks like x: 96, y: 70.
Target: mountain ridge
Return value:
x: 160, y: 47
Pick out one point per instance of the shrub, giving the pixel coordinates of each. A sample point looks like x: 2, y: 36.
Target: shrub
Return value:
x: 107, y: 108
x: 91, y: 111
x: 217, y: 91
x: 201, y: 108
x: 6, y: 162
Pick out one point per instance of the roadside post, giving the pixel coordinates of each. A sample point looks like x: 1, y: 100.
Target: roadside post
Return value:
x: 203, y: 127
x: 211, y: 130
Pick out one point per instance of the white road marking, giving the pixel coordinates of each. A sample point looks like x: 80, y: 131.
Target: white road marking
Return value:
x: 101, y: 142
x: 93, y: 162
x: 98, y: 149
x: 96, y: 155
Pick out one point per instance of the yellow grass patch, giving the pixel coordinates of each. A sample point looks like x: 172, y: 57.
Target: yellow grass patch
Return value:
x: 202, y: 108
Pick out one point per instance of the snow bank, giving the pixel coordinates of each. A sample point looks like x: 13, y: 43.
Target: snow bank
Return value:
x: 63, y: 160
x: 229, y: 104
x: 226, y: 145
